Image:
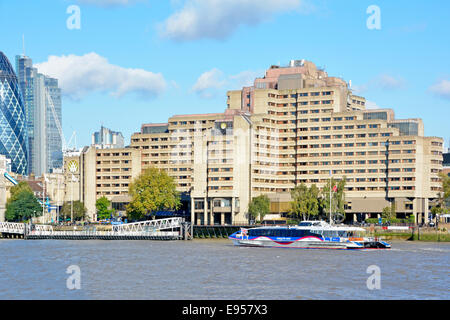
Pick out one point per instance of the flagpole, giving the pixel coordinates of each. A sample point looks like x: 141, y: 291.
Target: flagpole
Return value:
x: 43, y: 198
x: 330, y: 199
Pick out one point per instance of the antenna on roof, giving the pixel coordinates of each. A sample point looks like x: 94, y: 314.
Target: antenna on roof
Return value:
x: 23, y: 44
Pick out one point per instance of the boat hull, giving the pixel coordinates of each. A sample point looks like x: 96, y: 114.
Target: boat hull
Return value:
x: 308, y: 243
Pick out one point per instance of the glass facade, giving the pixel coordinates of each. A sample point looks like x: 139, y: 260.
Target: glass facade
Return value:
x: 382, y: 115
x: 42, y: 102
x: 13, y: 125
x: 406, y: 128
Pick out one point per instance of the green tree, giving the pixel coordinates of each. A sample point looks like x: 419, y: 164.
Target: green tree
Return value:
x: 79, y: 210
x: 152, y: 191
x: 103, y: 212
x: 337, y: 198
x: 259, y: 207
x: 388, y: 212
x: 22, y: 206
x: 443, y: 202
x: 17, y: 189
x: 305, y: 202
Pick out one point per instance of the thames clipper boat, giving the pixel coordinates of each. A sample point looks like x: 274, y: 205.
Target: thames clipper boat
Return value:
x: 308, y: 235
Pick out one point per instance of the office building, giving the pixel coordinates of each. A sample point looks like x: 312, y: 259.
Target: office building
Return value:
x: 295, y: 125
x: 107, y: 139
x: 13, y: 126
x: 42, y: 99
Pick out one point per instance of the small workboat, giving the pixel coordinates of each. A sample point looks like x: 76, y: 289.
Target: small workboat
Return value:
x: 308, y: 235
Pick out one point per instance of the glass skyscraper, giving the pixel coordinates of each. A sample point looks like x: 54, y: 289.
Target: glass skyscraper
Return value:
x: 13, y: 125
x: 42, y: 100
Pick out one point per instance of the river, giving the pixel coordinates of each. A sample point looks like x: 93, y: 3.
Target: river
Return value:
x: 215, y: 269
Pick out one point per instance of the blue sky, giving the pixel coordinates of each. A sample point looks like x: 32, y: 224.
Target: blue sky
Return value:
x: 142, y: 61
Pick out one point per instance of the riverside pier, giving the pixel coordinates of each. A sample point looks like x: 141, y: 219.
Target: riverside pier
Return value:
x: 161, y: 229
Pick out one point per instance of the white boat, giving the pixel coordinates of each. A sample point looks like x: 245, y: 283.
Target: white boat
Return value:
x: 308, y: 235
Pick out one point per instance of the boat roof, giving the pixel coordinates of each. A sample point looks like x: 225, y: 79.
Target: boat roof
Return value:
x: 317, y: 225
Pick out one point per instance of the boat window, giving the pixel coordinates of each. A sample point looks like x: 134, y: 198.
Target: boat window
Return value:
x: 342, y: 234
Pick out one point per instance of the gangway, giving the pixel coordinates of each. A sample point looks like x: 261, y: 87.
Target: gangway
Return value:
x: 161, y: 229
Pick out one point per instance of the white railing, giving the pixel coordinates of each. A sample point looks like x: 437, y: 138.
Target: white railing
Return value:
x: 143, y: 228
x: 104, y: 233
x: 12, y: 227
x: 149, y: 225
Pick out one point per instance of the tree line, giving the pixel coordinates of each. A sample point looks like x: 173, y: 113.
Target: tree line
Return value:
x: 307, y: 202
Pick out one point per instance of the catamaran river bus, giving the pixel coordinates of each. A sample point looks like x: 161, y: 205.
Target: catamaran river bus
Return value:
x: 308, y: 235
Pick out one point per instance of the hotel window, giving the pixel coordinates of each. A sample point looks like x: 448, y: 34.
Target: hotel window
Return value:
x: 361, y: 126
x: 315, y: 94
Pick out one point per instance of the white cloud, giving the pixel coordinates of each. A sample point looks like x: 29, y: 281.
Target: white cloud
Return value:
x: 218, y: 19
x: 209, y: 83
x: 244, y: 79
x: 214, y: 82
x: 441, y: 88
x: 109, y: 3
x: 371, y: 105
x: 386, y: 81
x: 383, y: 81
x: 81, y: 75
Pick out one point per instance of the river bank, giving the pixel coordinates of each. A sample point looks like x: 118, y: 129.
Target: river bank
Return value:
x: 412, y: 234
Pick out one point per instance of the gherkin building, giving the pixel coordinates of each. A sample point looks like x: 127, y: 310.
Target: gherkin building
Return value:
x: 13, y: 133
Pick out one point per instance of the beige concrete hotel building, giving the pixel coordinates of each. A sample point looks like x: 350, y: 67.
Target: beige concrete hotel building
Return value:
x: 293, y: 126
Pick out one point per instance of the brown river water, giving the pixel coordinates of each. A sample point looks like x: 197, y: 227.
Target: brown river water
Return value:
x: 215, y: 269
